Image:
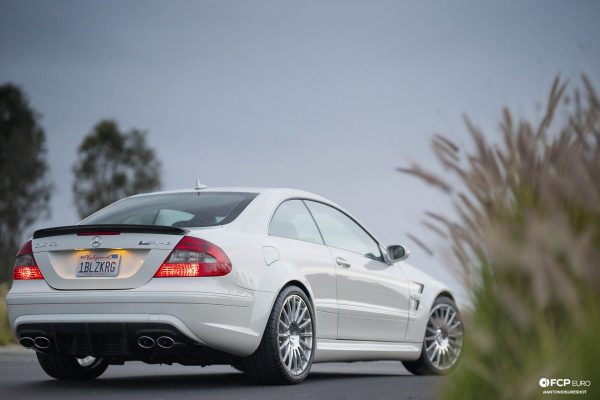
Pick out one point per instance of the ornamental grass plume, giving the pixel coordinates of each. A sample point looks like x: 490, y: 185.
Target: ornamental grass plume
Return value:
x: 527, y: 240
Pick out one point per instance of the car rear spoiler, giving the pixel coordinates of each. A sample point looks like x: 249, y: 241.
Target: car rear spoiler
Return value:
x: 107, y: 229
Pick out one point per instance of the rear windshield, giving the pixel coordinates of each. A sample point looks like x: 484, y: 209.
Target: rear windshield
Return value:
x: 175, y: 209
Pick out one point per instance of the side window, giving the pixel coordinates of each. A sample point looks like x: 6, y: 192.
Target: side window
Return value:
x: 342, y: 232
x: 292, y: 220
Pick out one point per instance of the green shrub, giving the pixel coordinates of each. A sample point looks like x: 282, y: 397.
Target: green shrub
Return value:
x: 6, y: 335
x: 527, y: 237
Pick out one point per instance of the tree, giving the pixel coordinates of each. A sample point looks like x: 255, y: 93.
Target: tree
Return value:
x: 112, y: 165
x: 24, y: 187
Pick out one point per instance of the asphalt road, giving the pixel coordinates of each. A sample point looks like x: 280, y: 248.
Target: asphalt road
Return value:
x: 22, y: 378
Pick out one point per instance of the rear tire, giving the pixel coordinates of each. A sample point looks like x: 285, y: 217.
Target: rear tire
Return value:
x: 443, y: 334
x: 286, y: 351
x: 69, y: 368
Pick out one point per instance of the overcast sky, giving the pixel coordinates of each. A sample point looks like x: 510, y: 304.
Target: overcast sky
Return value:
x: 326, y: 96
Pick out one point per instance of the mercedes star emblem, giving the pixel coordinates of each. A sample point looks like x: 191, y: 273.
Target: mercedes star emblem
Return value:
x: 96, y: 241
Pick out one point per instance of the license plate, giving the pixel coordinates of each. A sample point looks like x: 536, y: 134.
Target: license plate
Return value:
x: 92, y: 265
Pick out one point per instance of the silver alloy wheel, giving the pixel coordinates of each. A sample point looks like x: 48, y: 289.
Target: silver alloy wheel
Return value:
x: 88, y: 361
x: 295, y: 335
x: 443, y: 337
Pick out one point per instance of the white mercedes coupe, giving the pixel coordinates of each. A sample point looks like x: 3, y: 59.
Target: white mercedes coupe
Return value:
x: 266, y: 280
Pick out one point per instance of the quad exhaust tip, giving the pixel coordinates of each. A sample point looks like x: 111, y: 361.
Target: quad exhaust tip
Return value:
x: 146, y: 342
x: 27, y: 342
x: 42, y: 342
x: 165, y: 342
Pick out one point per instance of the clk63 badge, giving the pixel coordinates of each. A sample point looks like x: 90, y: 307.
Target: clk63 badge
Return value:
x: 42, y: 245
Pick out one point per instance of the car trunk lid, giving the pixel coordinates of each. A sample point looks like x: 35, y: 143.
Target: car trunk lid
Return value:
x: 84, y: 257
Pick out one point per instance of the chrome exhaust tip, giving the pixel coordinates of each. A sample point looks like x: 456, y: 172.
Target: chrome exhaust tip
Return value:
x: 145, y: 342
x: 165, y: 342
x: 42, y: 342
x: 27, y: 342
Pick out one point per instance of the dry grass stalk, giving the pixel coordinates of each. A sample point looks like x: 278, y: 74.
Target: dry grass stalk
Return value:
x: 527, y: 240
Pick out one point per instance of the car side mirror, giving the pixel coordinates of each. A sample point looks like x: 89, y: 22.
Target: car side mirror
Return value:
x: 397, y: 253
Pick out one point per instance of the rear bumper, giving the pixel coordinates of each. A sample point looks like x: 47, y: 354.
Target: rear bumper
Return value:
x: 231, y: 322
x: 120, y: 342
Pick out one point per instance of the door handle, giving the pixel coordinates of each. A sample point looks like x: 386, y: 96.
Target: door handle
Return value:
x: 342, y: 262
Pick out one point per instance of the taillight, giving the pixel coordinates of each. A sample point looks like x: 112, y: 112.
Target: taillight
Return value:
x: 193, y: 257
x: 25, y: 267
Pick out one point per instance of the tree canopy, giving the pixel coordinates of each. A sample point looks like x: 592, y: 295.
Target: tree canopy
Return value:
x: 24, y: 186
x: 111, y: 165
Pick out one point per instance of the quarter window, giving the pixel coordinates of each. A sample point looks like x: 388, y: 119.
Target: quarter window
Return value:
x: 339, y: 230
x: 292, y: 220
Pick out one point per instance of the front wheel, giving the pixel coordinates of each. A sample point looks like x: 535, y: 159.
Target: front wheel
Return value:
x: 286, y: 351
x: 443, y: 340
x: 71, y: 367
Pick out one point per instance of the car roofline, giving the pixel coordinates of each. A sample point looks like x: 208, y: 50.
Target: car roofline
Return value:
x: 258, y: 190
x: 283, y: 193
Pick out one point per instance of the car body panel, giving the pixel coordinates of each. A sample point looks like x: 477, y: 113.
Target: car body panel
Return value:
x: 372, y: 299
x: 314, y: 263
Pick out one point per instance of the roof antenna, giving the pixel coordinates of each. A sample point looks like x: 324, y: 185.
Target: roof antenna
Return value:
x: 199, y: 186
